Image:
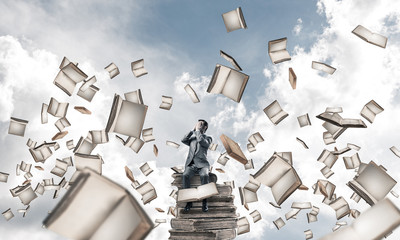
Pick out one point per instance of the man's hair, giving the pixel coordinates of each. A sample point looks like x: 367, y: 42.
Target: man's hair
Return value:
x: 205, y: 124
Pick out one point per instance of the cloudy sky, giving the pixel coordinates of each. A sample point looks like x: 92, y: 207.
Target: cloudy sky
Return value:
x: 180, y: 42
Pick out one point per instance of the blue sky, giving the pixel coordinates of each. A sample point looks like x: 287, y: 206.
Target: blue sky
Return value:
x: 180, y: 43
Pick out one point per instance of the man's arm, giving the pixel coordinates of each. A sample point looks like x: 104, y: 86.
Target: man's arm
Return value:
x: 186, y: 138
x: 203, y: 139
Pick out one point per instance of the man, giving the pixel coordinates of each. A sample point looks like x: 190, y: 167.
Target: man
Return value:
x: 196, y: 161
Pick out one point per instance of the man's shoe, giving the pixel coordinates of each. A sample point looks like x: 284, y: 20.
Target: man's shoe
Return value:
x: 205, y: 206
x: 188, y: 206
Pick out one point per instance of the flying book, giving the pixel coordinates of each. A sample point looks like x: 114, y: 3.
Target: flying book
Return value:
x: 327, y: 158
x: 68, y: 77
x: 112, y: 69
x: 43, y: 113
x: 59, y: 135
x: 249, y: 165
x: 301, y: 205
x: 192, y: 94
x: 370, y: 37
x: 323, y: 67
x: 25, y: 193
x: 199, y: 193
x: 291, y: 214
x: 147, y: 135
x: 248, y: 193
x: 82, y: 110
x: 134, y: 143
x: 147, y: 191
x: 243, y: 226
x: 155, y: 150
x: 395, y: 151
x: 256, y: 216
x: 99, y: 136
x: 287, y: 156
x: 62, y: 123
x: 275, y: 113
x: 172, y: 144
x: 17, y: 126
x: 138, y: 68
x: 228, y: 82
x: 145, y: 169
x: 223, y: 159
x: 341, y: 207
x: 250, y: 147
x: 233, y: 149
x: 89, y: 93
x: 129, y: 175
x: 325, y: 188
x: 308, y: 234
x: 279, y: 223
x: 353, y: 146
x: 302, y: 143
x: 230, y: 59
x: 372, y: 184
x: 352, y: 162
x: 337, y: 120
x: 304, y: 120
x: 166, y: 102
x: 328, y: 138
x: 292, y: 78
x: 8, y: 214
x: 255, y: 138
x: 4, y: 177
x: 374, y: 223
x: 370, y: 110
x: 134, y: 96
x: 41, y: 153
x: 213, y: 146
x: 277, y: 50
x: 84, y: 145
x: 126, y: 117
x: 57, y: 109
x: 280, y: 176
x: 103, y: 209
x: 60, y: 168
x: 234, y: 20
x: 87, y: 83
x: 327, y: 172
x: 94, y: 162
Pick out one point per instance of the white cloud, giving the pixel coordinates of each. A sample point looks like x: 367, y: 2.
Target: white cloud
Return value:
x: 298, y: 27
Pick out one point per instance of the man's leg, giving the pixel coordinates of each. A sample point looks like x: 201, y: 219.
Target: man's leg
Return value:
x: 204, y: 178
x: 186, y: 176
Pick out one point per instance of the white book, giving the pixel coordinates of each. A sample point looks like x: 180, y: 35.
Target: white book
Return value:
x: 301, y: 205
x: 355, y: 197
x: 70, y: 144
x: 308, y: 234
x: 43, y: 113
x: 395, y: 151
x: 249, y: 165
x: 341, y: 207
x: 325, y: 188
x: 57, y: 109
x: 228, y: 82
x: 334, y: 110
x: 370, y: 37
x: 275, y: 113
x: 62, y: 123
x: 292, y: 78
x: 243, y: 226
x: 328, y: 138
x: 250, y: 147
x: 134, y: 143
x: 99, y: 136
x: 147, y: 135
x: 147, y: 191
x: 145, y: 169
x: 94, y: 162
x: 223, y: 159
x: 374, y: 223
x: 30, y: 143
x: 89, y: 93
x: 327, y: 158
x: 304, y: 120
x: 4, y: 177
x: 323, y: 67
x: 234, y: 20
x: 87, y: 83
x: 199, y: 193
x: 255, y: 138
x: 112, y: 69
x: 172, y: 144
x: 192, y: 94
x: 213, y: 146
x: 230, y: 59
x: 134, y: 96
x: 68, y: 77
x: 277, y: 50
x: 103, y: 209
x: 327, y: 172
x: 166, y: 102
x: 352, y: 162
x: 126, y: 117
x: 279, y: 223
x: 17, y: 126
x: 8, y: 214
x: 60, y: 168
x: 370, y: 110
x: 256, y: 216
x: 353, y: 146
x: 292, y: 213
x: 302, y: 143
x: 334, y: 130
x: 41, y: 153
x: 138, y: 68
x: 84, y: 146
x: 25, y: 193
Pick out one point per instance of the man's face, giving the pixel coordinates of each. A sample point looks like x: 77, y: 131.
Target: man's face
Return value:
x: 201, y: 126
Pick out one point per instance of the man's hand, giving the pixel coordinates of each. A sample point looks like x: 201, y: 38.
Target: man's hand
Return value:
x: 198, y: 126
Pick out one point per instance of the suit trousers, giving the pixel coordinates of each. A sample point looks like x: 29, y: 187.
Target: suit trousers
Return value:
x: 190, y: 171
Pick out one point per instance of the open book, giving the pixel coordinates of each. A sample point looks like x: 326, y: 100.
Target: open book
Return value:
x: 375, y: 223
x: 25, y: 193
x: 17, y: 126
x: 192, y: 94
x: 304, y: 120
x: 233, y: 149
x: 89, y: 93
x: 230, y: 59
x: 41, y: 153
x: 134, y: 96
x: 341, y: 207
x: 199, y: 193
x: 243, y: 225
x: 370, y: 37
x: 337, y: 120
x: 138, y: 68
x: 327, y: 158
x: 234, y: 20
x: 68, y: 77
x: 57, y: 109
x: 228, y: 82
x: 372, y: 183
x: 280, y: 176
x: 323, y: 67
x: 352, y: 162
x: 62, y: 123
x: 87, y: 83
x: 275, y: 113
x: 370, y: 110
x: 147, y: 191
x: 97, y: 208
x: 166, y: 102
x: 255, y: 138
x: 248, y: 193
x: 112, y: 69
x: 126, y: 117
x: 145, y: 169
x: 277, y: 50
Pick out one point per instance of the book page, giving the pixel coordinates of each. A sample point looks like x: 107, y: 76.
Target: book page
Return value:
x: 231, y: 21
x: 207, y: 190
x: 285, y: 186
x: 272, y: 171
x: 220, y: 79
x: 234, y: 85
x: 130, y: 119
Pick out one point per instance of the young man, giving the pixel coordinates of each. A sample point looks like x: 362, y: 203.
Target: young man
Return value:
x: 196, y: 161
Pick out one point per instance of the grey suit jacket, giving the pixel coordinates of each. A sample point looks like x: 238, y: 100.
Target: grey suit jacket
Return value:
x: 198, y: 145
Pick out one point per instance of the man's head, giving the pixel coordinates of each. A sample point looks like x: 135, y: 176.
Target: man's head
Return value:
x: 204, y: 125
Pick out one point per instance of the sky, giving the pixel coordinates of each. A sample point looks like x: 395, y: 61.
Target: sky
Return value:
x: 180, y: 43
